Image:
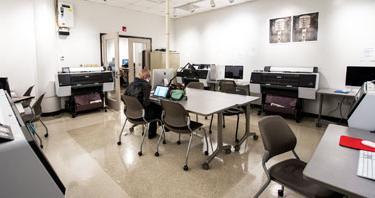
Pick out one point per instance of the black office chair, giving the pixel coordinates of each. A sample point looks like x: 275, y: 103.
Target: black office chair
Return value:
x: 135, y: 114
x: 33, y: 114
x: 176, y: 119
x: 229, y: 86
x: 278, y: 138
x: 26, y: 103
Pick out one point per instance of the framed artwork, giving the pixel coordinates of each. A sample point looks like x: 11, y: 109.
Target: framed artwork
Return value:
x: 305, y: 27
x: 280, y: 30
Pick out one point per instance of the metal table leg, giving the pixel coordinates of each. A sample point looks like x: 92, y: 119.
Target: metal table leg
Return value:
x: 318, y: 124
x: 247, y: 133
x: 220, y: 145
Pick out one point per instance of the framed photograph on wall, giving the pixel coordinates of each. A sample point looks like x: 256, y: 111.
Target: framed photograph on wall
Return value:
x: 305, y: 27
x: 280, y: 30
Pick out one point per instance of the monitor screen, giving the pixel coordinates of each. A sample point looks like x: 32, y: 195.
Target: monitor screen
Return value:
x: 4, y: 84
x: 357, y: 75
x: 233, y: 72
x: 161, y: 91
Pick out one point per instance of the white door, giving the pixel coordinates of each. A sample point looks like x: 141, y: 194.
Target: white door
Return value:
x: 139, y: 56
x: 110, y: 50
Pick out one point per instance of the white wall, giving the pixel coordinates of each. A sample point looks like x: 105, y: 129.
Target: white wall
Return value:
x: 17, y: 44
x: 239, y: 35
x: 83, y: 45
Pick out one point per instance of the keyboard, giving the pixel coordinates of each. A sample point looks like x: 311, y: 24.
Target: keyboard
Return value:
x: 366, y: 164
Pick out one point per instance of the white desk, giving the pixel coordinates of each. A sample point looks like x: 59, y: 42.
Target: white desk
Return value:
x: 206, y: 103
x: 331, y: 92
x: 24, y: 171
x: 336, y: 167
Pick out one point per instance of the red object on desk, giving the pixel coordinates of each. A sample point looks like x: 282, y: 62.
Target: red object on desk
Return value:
x: 354, y: 143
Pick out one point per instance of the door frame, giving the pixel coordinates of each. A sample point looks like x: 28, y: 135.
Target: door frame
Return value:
x: 121, y: 36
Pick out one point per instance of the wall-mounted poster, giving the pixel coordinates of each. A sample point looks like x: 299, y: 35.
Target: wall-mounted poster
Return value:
x: 280, y: 30
x: 305, y: 27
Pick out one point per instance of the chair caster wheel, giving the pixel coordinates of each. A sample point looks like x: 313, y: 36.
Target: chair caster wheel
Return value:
x: 178, y: 142
x: 255, y: 137
x: 280, y: 193
x: 205, y: 166
x: 164, y: 142
x: 46, y: 135
x: 223, y: 126
x: 237, y: 148
x: 237, y: 140
x: 41, y: 146
x: 186, y: 168
x: 105, y: 110
x: 119, y: 143
x: 206, y: 152
x: 210, y: 132
x: 131, y: 129
x: 140, y: 153
x: 157, y: 154
x: 228, y: 151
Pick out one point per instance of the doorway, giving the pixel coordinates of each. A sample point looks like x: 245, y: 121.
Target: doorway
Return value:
x: 126, y: 56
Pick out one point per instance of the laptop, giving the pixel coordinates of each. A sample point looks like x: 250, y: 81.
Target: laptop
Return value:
x: 161, y: 92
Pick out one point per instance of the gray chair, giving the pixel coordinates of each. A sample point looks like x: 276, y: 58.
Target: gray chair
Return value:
x: 278, y: 138
x: 33, y: 114
x: 176, y: 119
x: 135, y: 114
x: 195, y: 85
x: 229, y: 86
x: 26, y: 103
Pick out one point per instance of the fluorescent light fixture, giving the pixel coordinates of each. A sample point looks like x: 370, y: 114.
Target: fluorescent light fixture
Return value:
x: 212, y: 3
x: 231, y: 1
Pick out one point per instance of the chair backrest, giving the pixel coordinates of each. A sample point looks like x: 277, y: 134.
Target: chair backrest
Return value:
x: 133, y: 108
x: 227, y: 86
x: 195, y: 85
x: 277, y: 136
x: 28, y: 91
x: 174, y: 114
x: 37, y: 106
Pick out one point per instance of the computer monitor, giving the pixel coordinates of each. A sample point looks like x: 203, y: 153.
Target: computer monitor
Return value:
x: 4, y: 84
x: 233, y: 72
x: 161, y: 77
x: 161, y: 91
x: 357, y: 75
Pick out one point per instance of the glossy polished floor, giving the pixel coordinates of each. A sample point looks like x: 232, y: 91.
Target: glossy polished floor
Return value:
x: 85, y: 155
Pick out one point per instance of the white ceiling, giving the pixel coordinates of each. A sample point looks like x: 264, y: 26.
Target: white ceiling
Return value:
x: 179, y: 8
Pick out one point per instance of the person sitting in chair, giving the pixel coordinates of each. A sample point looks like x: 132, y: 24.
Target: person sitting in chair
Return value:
x: 141, y: 88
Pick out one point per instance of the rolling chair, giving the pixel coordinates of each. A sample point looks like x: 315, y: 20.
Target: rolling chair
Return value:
x: 195, y: 85
x: 135, y: 114
x: 175, y: 118
x: 33, y: 114
x: 27, y: 93
x: 278, y: 138
x: 229, y: 86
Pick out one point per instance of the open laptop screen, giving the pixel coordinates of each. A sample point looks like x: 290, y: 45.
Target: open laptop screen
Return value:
x: 161, y: 91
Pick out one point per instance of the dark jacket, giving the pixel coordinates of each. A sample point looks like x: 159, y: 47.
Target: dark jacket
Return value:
x: 140, y: 89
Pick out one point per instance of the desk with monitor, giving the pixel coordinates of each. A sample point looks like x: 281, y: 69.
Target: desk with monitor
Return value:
x: 205, y: 103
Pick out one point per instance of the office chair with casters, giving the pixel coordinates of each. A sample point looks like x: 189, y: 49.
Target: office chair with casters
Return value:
x: 26, y: 103
x: 33, y: 114
x: 278, y: 138
x: 135, y: 114
x: 195, y: 85
x: 177, y: 119
x: 230, y: 87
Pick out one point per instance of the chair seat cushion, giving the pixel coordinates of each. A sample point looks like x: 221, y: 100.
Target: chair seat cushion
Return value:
x: 290, y: 173
x: 28, y: 115
x: 233, y: 111
x: 137, y: 121
x: 193, y: 126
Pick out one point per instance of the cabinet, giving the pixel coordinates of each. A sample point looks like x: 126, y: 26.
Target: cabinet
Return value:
x: 158, y: 59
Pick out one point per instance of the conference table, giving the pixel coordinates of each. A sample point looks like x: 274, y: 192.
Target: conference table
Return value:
x: 205, y: 103
x: 336, y: 167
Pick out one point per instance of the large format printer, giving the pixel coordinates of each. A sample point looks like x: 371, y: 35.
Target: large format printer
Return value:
x: 85, y: 88
x: 283, y: 88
